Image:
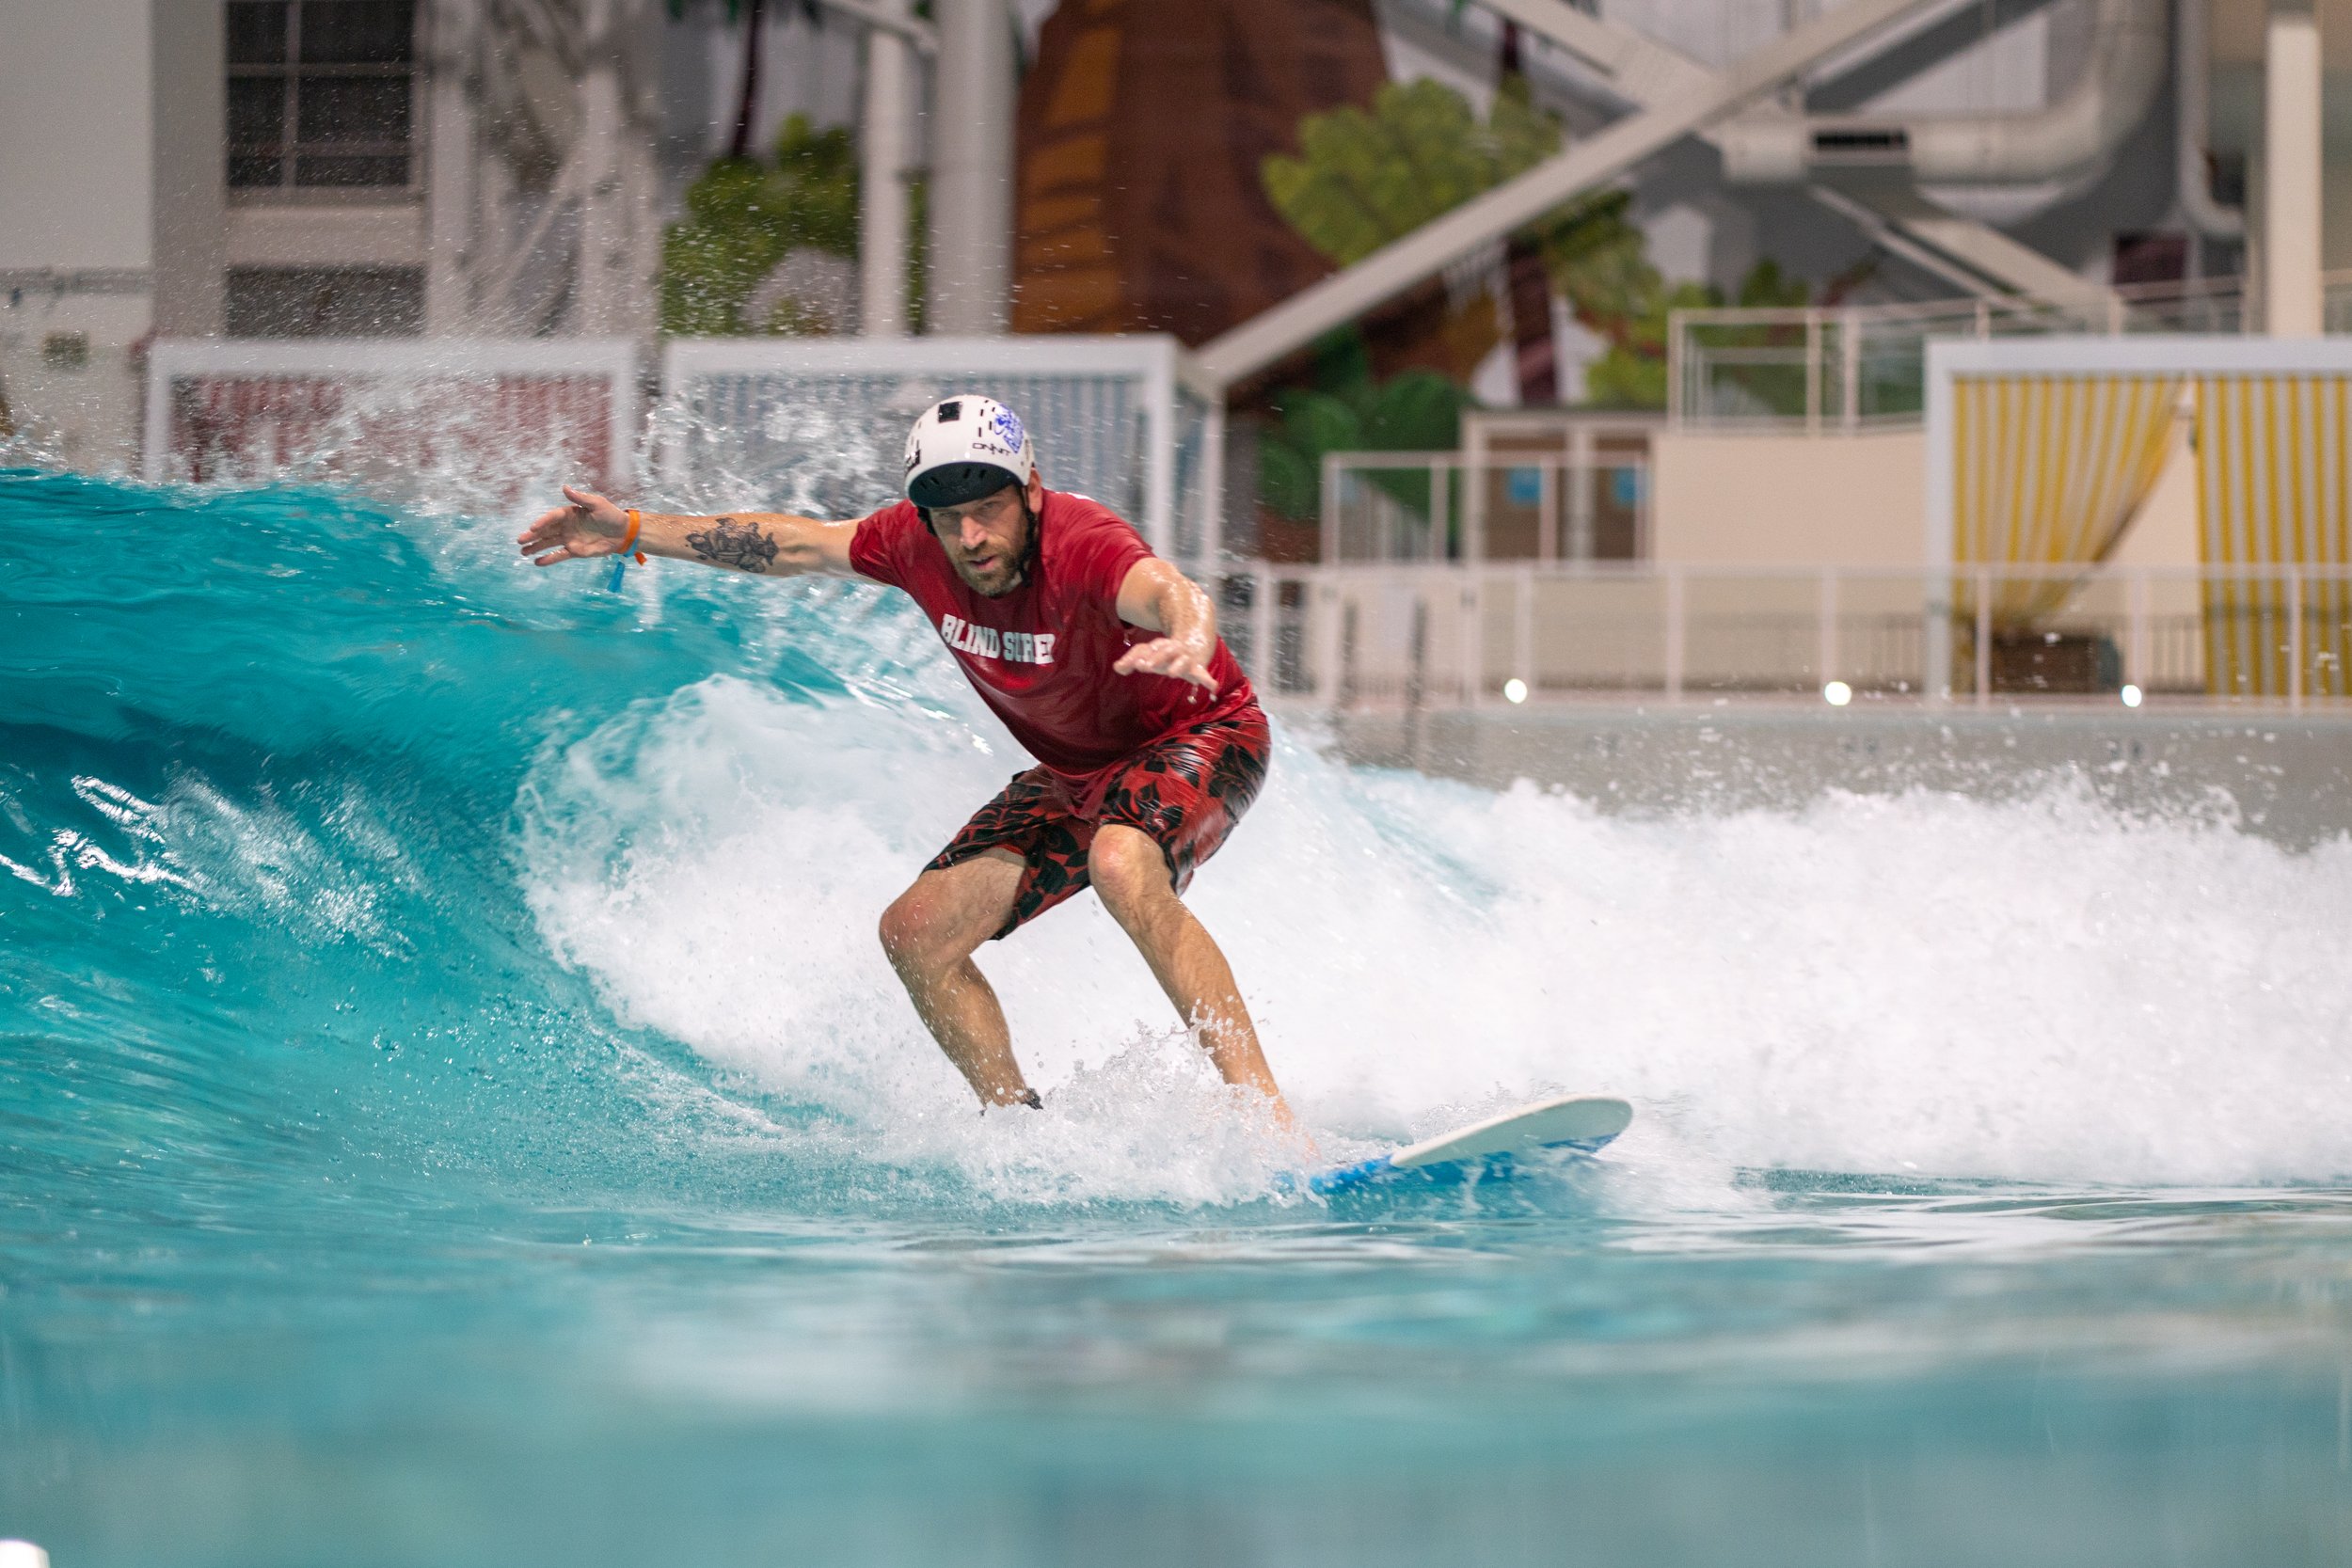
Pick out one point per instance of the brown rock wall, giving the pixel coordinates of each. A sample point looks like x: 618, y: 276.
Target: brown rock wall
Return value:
x: 1142, y: 126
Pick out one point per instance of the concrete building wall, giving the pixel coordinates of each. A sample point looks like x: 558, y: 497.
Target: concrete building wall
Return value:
x: 1797, y: 500
x: 76, y: 135
x: 1850, y: 500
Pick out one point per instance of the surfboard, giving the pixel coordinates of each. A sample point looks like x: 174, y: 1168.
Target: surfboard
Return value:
x: 1486, y: 1150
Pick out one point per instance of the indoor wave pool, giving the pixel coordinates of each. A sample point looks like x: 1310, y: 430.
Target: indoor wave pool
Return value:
x: 457, y: 1113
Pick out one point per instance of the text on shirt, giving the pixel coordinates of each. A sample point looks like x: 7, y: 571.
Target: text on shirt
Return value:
x: 1013, y: 648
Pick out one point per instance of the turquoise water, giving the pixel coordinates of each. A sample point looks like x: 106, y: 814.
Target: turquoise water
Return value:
x: 456, y: 1113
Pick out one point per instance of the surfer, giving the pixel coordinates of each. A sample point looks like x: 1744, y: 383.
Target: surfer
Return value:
x: 1101, y: 659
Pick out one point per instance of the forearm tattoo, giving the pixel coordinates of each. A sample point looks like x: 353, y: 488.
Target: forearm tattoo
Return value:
x: 743, y: 547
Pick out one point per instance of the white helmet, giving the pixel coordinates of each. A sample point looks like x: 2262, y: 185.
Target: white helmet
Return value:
x: 963, y: 448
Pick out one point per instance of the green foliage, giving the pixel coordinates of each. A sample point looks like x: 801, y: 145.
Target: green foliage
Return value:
x: 1363, y: 180
x: 1346, y: 410
x: 1619, y: 294
x: 1766, y: 285
x: 743, y: 215
x: 1775, y: 384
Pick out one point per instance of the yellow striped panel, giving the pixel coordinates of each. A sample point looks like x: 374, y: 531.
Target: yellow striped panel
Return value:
x: 2272, y: 492
x: 2050, y: 470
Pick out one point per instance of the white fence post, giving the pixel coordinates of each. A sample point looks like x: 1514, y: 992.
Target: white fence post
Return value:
x: 1324, y: 604
x: 1473, y: 632
x: 1159, y: 467
x: 1329, y: 544
x: 1264, y: 591
x: 2295, y: 637
x: 1828, y: 629
x: 1474, y: 510
x: 155, y: 442
x: 1440, y: 505
x: 1523, y: 627
x: 1213, y: 487
x: 1984, y: 637
x: 1578, y: 474
x: 1675, y: 630
x: 1547, y: 512
x: 1812, y: 371
x: 1942, y: 532
x: 2136, y: 640
x: 1850, y: 366
x: 1676, y: 327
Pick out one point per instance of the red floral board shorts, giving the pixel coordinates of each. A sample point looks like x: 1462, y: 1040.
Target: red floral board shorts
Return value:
x: 1187, y: 790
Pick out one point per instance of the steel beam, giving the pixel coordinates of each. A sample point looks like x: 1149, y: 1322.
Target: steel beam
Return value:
x: 1404, y: 263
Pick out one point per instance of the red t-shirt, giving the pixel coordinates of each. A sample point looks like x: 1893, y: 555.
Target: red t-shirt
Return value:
x: 1042, y: 655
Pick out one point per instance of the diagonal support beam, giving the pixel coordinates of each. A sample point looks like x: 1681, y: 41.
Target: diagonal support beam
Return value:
x: 1895, y: 242
x: 1637, y: 68
x: 1404, y: 263
x: 1896, y: 215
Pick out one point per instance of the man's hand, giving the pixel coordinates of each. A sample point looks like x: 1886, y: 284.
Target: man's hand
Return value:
x: 1166, y: 655
x: 590, y: 525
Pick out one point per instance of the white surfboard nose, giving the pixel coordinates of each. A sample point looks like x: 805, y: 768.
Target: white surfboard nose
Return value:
x: 1578, y: 1120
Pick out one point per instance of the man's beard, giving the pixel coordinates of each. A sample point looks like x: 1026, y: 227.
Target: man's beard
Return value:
x: 1021, y: 563
x: 985, y: 591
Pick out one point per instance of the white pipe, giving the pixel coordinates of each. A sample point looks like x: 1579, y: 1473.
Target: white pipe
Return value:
x: 1159, y: 456
x: 883, y: 195
x: 449, y: 183
x: 1212, y: 489
x: 2067, y: 138
x: 1942, y: 535
x: 971, y: 191
x: 2192, y: 92
x: 2290, y: 170
x: 602, y: 249
x: 890, y: 16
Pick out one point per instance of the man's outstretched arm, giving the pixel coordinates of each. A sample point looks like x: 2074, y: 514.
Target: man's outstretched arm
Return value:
x: 769, y: 544
x: 1158, y: 597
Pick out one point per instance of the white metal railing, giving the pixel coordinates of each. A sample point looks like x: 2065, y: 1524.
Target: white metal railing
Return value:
x: 1440, y: 506
x: 814, y: 423
x: 1860, y: 367
x: 384, y: 413
x: 1350, y: 636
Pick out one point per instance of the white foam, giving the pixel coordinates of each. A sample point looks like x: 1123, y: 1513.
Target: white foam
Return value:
x: 2035, y: 988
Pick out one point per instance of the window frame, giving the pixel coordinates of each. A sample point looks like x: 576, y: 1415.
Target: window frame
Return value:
x: 289, y: 149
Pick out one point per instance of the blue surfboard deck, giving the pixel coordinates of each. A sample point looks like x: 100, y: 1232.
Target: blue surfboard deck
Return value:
x: 1487, y: 1150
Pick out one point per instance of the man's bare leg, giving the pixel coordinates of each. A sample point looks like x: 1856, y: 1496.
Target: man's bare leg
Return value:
x: 1130, y: 876
x: 930, y: 932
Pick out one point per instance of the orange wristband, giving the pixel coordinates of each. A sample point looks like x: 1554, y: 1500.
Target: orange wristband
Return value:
x: 631, y: 537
